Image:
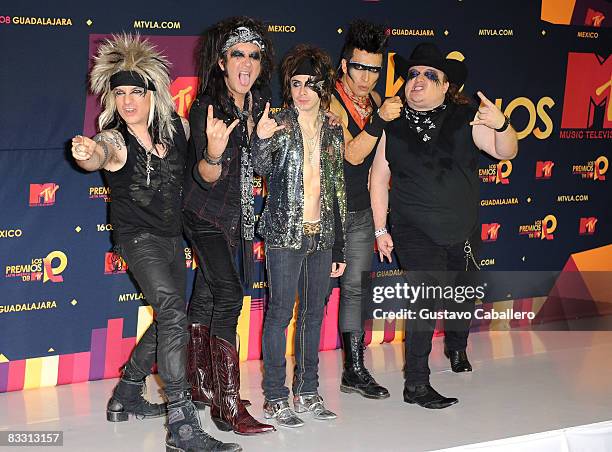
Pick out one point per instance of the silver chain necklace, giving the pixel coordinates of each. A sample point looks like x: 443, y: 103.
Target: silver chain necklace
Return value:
x: 148, y: 152
x: 312, y: 142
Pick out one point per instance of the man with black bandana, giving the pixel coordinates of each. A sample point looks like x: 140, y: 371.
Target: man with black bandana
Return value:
x: 141, y: 147
x: 235, y: 67
x: 363, y: 119
x: 431, y: 155
x: 300, y: 154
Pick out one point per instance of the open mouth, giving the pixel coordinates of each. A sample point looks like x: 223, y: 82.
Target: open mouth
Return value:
x: 244, y: 78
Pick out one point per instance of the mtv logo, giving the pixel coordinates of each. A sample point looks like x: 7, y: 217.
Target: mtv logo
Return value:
x: 587, y: 225
x: 259, y: 253
x: 594, y: 18
x: 114, y: 263
x: 587, y: 102
x: 544, y: 169
x: 43, y: 194
x: 183, y: 91
x: 489, y: 232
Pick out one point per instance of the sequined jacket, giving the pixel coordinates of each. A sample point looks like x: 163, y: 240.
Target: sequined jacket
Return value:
x: 280, y: 160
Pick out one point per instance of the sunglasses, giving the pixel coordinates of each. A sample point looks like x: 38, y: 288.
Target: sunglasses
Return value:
x: 364, y: 67
x: 429, y: 74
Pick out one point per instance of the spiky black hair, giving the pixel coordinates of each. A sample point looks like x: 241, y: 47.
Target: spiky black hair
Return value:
x: 364, y: 36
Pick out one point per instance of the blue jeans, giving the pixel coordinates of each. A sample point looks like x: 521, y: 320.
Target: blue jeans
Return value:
x: 306, y: 272
x: 359, y: 250
x: 158, y: 265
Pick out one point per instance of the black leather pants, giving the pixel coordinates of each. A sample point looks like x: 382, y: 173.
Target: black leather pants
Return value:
x: 158, y: 264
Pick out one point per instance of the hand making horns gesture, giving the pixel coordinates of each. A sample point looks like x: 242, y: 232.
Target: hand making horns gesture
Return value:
x: 266, y: 127
x: 217, y: 134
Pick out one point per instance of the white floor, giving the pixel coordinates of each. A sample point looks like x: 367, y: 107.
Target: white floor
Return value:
x: 523, y: 383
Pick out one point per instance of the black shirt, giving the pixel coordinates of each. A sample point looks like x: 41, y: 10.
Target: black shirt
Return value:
x: 434, y: 184
x: 356, y: 176
x: 156, y: 208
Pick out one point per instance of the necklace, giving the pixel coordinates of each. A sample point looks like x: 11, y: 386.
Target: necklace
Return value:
x: 148, y: 152
x: 312, y: 143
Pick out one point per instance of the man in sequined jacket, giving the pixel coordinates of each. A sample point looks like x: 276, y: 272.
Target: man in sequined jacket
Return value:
x: 303, y: 224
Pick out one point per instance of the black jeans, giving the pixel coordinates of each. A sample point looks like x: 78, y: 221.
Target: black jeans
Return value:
x: 431, y: 264
x: 158, y: 265
x: 291, y: 271
x: 216, y: 300
x: 359, y: 249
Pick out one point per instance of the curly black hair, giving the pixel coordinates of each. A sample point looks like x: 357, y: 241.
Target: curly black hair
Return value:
x: 366, y: 36
x: 212, y: 81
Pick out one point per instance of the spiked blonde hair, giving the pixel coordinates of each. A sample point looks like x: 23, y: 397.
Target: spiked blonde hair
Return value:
x: 127, y: 52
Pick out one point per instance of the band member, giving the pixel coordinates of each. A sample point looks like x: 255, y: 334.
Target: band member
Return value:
x: 431, y: 155
x: 300, y: 154
x: 235, y: 67
x: 363, y: 119
x: 141, y: 147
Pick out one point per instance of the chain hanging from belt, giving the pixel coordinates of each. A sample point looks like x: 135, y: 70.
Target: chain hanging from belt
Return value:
x: 467, y: 249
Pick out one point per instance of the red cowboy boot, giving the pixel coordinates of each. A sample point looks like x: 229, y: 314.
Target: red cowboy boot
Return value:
x: 199, y: 371
x: 228, y: 411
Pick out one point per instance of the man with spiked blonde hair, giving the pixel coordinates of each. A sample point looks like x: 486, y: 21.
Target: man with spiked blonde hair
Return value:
x: 141, y: 147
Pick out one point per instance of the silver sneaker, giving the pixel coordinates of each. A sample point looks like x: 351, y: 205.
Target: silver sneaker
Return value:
x: 280, y: 411
x: 313, y: 403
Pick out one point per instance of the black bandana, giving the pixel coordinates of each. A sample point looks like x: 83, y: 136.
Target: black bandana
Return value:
x: 314, y: 82
x: 305, y: 68
x: 130, y: 78
x: 425, y: 123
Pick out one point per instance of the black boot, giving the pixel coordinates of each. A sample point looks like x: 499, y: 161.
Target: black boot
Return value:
x: 427, y: 397
x: 355, y: 376
x: 128, y: 398
x: 185, y: 432
x: 458, y: 360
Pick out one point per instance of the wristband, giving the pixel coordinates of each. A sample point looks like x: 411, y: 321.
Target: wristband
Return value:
x: 380, y: 232
x: 209, y: 160
x: 504, y: 125
x: 375, y: 126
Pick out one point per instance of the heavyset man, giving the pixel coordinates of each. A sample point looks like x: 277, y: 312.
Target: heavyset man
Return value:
x: 431, y: 154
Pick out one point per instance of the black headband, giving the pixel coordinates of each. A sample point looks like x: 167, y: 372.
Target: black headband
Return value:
x: 305, y: 68
x: 130, y: 78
